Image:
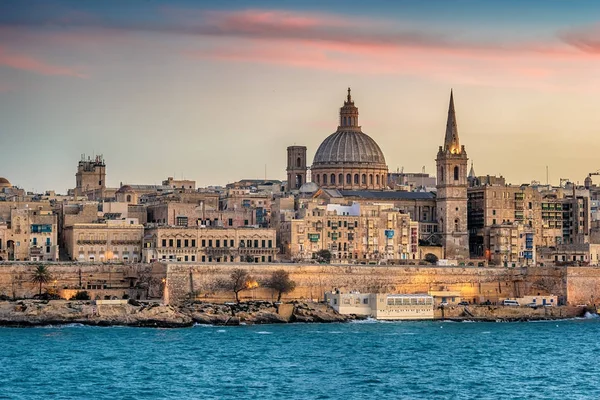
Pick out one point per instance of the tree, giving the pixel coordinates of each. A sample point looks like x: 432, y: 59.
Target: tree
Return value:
x: 280, y: 282
x: 239, y: 280
x: 81, y: 295
x: 41, y: 275
x: 324, y: 256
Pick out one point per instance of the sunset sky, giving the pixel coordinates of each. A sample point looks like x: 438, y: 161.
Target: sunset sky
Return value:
x: 214, y: 90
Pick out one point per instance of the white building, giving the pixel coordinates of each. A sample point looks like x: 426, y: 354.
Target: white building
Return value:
x: 382, y: 306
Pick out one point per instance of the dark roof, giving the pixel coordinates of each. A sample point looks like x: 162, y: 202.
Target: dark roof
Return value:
x: 388, y: 195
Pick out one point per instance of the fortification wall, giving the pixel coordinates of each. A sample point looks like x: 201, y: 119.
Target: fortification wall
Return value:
x: 474, y: 284
x: 579, y: 285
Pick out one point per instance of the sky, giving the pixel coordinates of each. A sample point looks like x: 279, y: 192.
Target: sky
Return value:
x: 216, y: 90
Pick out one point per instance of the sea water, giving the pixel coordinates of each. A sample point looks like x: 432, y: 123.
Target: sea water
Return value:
x: 413, y: 360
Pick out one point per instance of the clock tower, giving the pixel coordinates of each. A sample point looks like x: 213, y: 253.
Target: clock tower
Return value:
x: 452, y: 185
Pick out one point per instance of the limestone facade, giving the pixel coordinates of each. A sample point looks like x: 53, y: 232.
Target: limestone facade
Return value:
x: 29, y: 235
x: 110, y: 241
x: 352, y: 233
x: 296, y: 167
x: 196, y: 244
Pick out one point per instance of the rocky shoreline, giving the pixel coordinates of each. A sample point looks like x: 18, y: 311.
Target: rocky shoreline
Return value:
x: 27, y: 313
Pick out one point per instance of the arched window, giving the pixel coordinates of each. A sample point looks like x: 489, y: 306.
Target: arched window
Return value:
x: 341, y: 179
x: 371, y: 179
x: 377, y: 179
x: 364, y: 179
x: 318, y: 179
x: 324, y: 179
x: 441, y: 174
x: 298, y: 162
x: 456, y: 173
x: 332, y: 179
x: 129, y: 198
x: 356, y: 179
x: 349, y: 179
x: 456, y: 225
x: 344, y: 123
x: 383, y: 180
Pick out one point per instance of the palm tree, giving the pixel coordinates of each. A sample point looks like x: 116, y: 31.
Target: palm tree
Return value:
x: 41, y: 275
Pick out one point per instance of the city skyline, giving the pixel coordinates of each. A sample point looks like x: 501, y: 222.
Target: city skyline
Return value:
x: 218, y: 92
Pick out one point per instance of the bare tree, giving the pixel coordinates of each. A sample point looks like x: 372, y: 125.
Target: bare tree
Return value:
x: 280, y: 282
x: 239, y: 280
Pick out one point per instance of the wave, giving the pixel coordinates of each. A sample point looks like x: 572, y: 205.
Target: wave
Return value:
x: 589, y: 315
x: 264, y: 333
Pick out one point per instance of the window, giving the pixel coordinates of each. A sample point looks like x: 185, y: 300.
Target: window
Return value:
x: 170, y: 242
x: 348, y: 179
x: 231, y: 244
x: 210, y: 243
x: 456, y: 225
x: 270, y: 244
x: 248, y: 243
x: 377, y: 179
x: 332, y: 179
x: 356, y: 179
x: 318, y: 179
x: 230, y: 221
x: 181, y: 221
x: 193, y: 258
x: 341, y: 179
x: 263, y: 243
x: 255, y: 243
x: 164, y: 243
x: 324, y: 179
x: 129, y: 198
x: 456, y: 173
x: 185, y: 258
x: 218, y: 243
x: 186, y: 243
x: 203, y: 242
x: 441, y: 174
x: 370, y: 179
x: 298, y: 162
x: 178, y: 242
x: 203, y: 258
x: 245, y: 222
x: 193, y: 242
x: 364, y: 179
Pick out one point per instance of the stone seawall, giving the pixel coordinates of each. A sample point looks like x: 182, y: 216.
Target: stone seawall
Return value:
x: 474, y: 284
x: 578, y: 285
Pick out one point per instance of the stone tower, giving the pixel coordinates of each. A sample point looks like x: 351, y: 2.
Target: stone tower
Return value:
x: 452, y: 185
x: 90, y: 176
x: 296, y: 167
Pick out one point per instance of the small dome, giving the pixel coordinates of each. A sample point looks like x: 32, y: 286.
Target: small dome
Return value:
x: 125, y: 189
x: 4, y: 183
x: 309, y: 187
x: 349, y: 146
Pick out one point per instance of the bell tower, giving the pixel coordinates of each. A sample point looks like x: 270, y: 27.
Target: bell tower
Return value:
x: 452, y: 185
x: 296, y: 167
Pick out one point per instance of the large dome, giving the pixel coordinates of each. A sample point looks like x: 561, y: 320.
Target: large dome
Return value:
x: 4, y: 183
x: 349, y: 146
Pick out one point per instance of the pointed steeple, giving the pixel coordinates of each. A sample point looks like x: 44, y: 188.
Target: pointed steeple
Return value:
x: 451, y: 142
x: 472, y: 172
x: 348, y: 114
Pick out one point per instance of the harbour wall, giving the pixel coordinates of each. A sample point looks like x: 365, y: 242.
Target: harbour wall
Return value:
x: 175, y: 282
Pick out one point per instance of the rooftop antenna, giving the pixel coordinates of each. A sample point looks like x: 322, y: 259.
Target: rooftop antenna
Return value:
x: 547, y: 182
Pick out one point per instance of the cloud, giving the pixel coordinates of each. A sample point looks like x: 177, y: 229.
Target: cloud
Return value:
x: 586, y: 39
x: 35, y: 65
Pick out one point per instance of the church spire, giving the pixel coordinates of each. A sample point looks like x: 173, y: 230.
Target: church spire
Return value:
x: 451, y: 142
x: 472, y: 172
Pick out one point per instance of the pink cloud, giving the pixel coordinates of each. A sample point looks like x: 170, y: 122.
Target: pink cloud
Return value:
x: 586, y: 39
x: 35, y: 65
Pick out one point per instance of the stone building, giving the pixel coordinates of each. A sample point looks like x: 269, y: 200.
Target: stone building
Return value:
x: 29, y: 234
x: 179, y: 183
x: 511, y: 245
x: 109, y: 241
x: 296, y: 167
x: 193, y: 215
x: 90, y: 179
x: 196, y: 244
x: 349, y: 159
x: 452, y: 186
x: 356, y: 233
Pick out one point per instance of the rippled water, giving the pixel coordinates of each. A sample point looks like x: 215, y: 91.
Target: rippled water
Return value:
x: 432, y: 360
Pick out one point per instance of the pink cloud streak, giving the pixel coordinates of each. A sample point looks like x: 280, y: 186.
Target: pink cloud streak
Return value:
x: 35, y: 65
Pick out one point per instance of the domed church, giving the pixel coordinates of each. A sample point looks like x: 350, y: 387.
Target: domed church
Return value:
x: 348, y: 159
